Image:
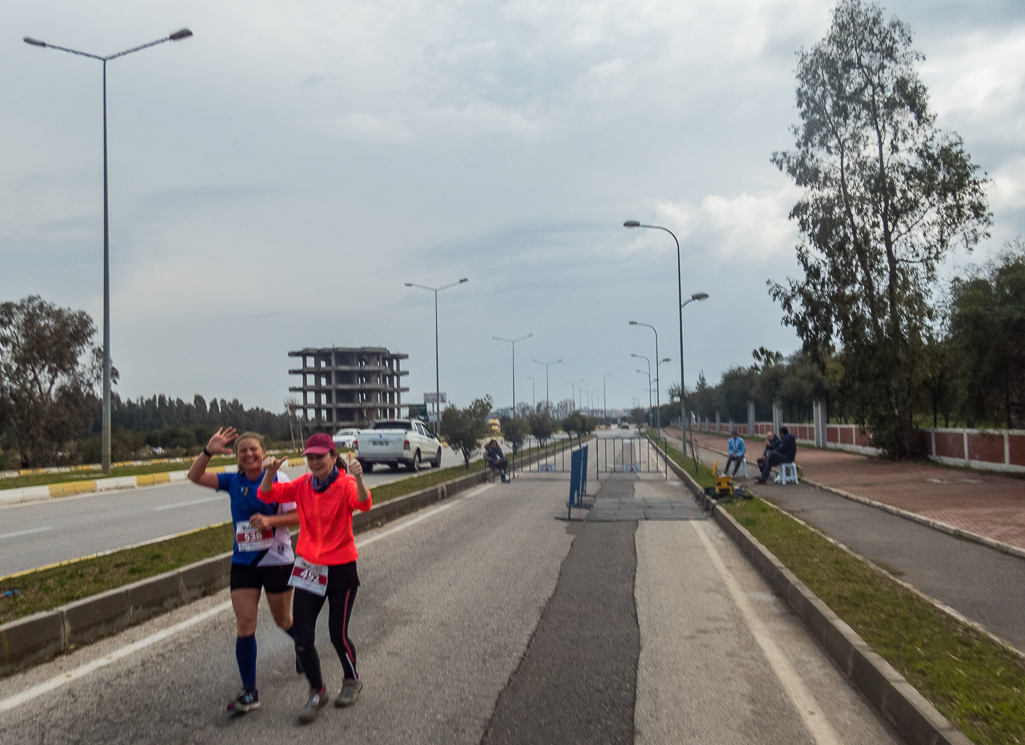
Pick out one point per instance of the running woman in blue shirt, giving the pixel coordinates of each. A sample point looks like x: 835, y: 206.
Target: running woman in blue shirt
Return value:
x: 262, y: 558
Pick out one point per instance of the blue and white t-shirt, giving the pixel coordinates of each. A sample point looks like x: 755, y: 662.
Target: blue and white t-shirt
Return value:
x: 270, y: 547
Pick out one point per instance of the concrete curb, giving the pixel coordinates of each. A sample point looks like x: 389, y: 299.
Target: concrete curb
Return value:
x: 914, y: 718
x: 943, y: 527
x: 36, y: 638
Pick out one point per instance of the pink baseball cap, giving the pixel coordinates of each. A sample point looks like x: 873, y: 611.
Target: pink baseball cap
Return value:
x: 319, y: 444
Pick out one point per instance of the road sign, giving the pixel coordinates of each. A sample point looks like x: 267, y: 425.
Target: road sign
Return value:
x: 432, y: 397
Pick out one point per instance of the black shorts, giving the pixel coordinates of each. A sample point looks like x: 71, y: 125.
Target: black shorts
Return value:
x: 274, y: 579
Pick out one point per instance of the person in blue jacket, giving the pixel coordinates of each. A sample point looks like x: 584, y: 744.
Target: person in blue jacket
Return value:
x: 735, y: 449
x: 262, y: 557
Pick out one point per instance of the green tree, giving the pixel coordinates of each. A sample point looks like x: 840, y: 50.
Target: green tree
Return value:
x: 987, y: 338
x: 542, y: 425
x: 49, y: 371
x: 887, y: 195
x: 515, y: 430
x: 465, y: 428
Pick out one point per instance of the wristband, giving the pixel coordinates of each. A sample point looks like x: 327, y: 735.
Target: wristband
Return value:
x: 207, y: 453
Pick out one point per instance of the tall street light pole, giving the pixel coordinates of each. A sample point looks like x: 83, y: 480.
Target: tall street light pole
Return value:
x: 679, y: 287
x: 105, y: 418
x: 573, y: 388
x: 642, y: 372
x: 605, y: 396
x: 513, y: 342
x: 437, y: 374
x: 658, y: 386
x: 641, y: 356
x: 548, y: 398
x: 697, y: 296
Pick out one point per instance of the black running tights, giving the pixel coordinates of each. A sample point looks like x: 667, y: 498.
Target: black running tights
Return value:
x: 342, y: 584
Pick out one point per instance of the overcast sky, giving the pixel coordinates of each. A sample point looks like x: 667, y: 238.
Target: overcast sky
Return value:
x: 275, y: 179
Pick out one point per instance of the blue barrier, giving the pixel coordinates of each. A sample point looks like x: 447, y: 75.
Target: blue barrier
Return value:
x: 577, y: 480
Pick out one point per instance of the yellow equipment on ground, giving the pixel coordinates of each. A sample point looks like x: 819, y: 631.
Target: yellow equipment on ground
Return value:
x: 723, y: 484
x: 494, y: 427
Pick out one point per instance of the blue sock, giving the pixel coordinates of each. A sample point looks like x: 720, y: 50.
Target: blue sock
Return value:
x: 245, y: 653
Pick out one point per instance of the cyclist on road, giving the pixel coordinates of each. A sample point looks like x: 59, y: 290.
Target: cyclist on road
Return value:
x: 262, y: 555
x: 325, y: 565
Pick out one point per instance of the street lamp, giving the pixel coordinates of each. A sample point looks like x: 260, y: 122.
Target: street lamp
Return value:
x: 658, y: 386
x: 605, y: 396
x: 697, y: 296
x: 105, y: 418
x: 548, y: 398
x: 642, y: 372
x: 641, y: 356
x: 679, y: 287
x: 573, y: 387
x: 437, y: 374
x: 513, y: 342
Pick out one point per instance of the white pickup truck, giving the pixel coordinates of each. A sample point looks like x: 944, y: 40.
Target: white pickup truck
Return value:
x: 397, y: 441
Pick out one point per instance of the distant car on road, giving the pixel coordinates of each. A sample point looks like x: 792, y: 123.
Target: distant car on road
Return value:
x: 624, y: 425
x: 344, y: 438
x: 397, y: 442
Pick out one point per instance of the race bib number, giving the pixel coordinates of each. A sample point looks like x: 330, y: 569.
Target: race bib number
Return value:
x: 309, y: 577
x: 253, y: 539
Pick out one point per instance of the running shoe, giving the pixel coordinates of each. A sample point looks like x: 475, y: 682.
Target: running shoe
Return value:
x: 349, y: 693
x: 313, y: 706
x: 245, y: 701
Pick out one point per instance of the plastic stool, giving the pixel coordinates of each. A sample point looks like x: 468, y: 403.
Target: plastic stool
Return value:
x: 787, y: 473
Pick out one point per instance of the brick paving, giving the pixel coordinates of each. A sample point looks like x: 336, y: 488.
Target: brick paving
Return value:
x: 988, y: 504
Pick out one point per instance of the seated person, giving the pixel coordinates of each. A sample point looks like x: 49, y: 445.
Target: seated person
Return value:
x: 735, y: 449
x: 494, y: 457
x: 771, y: 443
x: 785, y: 452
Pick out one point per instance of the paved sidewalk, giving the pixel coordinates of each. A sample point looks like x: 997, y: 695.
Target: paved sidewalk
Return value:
x: 988, y: 504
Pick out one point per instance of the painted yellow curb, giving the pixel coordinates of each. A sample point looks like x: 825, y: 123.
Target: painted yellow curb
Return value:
x: 70, y: 488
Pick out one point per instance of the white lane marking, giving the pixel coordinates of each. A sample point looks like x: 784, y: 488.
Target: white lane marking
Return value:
x: 24, y: 532
x: 190, y: 502
x: 800, y: 697
x: 64, y: 678
x: 79, y: 672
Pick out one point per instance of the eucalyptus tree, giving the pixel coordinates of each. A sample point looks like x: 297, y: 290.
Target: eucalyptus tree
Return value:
x: 887, y: 196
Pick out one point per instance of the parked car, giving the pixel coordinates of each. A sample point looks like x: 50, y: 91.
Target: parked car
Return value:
x: 397, y: 442
x: 345, y: 437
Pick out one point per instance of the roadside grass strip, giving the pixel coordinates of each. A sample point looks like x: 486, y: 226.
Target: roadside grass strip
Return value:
x: 49, y: 587
x: 970, y: 678
x: 702, y: 474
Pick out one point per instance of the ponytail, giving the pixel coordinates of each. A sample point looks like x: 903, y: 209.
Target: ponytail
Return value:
x: 340, y: 463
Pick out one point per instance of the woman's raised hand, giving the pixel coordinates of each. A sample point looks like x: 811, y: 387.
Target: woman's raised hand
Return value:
x: 221, y: 440
x: 272, y: 464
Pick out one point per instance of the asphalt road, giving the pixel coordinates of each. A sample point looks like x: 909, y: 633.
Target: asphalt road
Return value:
x: 40, y: 533
x: 484, y: 619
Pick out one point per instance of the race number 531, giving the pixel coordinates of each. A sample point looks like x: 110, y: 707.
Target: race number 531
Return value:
x: 249, y: 538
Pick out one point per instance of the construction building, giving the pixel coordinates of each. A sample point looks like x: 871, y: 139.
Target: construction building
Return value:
x: 348, y: 387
